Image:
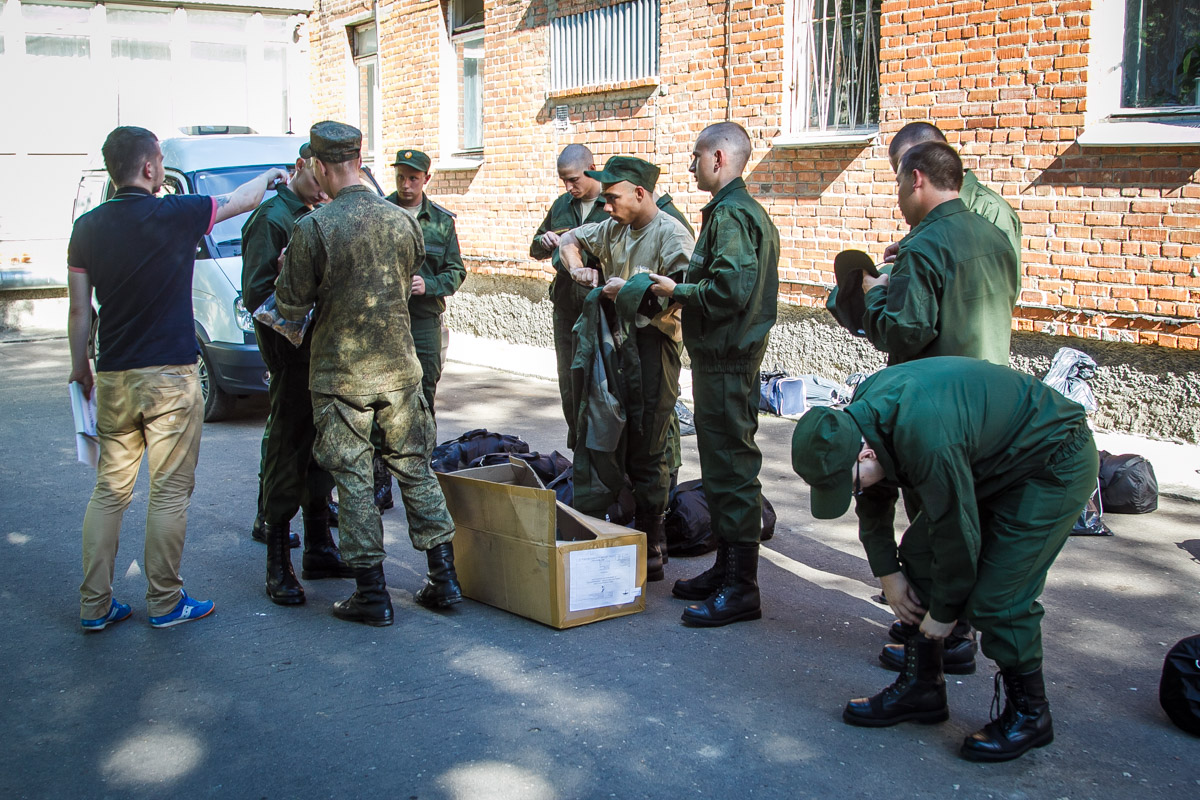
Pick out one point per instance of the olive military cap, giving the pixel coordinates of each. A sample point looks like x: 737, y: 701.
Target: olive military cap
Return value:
x: 306, y: 150
x: 412, y: 158
x: 825, y: 444
x: 626, y: 168
x: 335, y: 142
x: 848, y: 304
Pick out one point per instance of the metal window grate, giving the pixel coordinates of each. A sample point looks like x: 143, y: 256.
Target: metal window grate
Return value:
x: 607, y: 45
x: 835, y: 65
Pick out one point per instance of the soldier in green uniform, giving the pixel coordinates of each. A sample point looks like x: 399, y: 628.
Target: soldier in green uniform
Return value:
x: 355, y: 258
x: 951, y: 292
x: 439, y: 277
x: 729, y: 298
x: 638, y: 237
x: 1001, y: 465
x: 579, y: 204
x: 291, y: 479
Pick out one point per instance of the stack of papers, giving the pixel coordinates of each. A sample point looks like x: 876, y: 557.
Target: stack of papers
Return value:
x: 87, y: 443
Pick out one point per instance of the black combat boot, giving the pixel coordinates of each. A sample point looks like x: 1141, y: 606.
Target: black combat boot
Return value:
x: 370, y: 604
x: 282, y: 586
x: 918, y: 695
x: 656, y: 544
x: 958, y: 655
x: 707, y: 583
x: 1024, y: 724
x: 737, y: 600
x: 321, y: 556
x: 259, y: 535
x: 441, y: 589
x: 383, y: 485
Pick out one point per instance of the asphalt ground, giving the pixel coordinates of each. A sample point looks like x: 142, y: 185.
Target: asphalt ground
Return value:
x: 260, y: 700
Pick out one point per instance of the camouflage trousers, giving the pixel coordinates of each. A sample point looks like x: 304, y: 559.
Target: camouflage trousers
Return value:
x: 343, y: 448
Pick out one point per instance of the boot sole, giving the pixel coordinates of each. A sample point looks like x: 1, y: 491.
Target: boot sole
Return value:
x: 374, y: 623
x: 922, y: 717
x: 948, y: 669
x: 745, y: 616
x: 286, y: 601
x: 440, y: 603
x: 992, y: 758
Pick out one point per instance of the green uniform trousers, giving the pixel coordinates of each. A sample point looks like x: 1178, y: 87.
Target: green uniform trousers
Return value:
x: 726, y: 414
x: 1023, y: 531
x: 566, y: 297
x: 427, y: 339
x: 291, y: 478
x: 343, y: 446
x: 645, y: 456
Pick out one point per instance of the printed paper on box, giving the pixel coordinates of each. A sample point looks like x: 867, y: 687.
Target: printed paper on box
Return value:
x: 603, y: 577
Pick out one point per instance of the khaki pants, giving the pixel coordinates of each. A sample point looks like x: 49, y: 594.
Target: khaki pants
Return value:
x: 158, y: 411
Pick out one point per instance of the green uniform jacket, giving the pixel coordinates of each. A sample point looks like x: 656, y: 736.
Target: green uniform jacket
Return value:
x: 732, y: 283
x: 264, y: 236
x: 995, y: 209
x: 443, y: 269
x: 952, y: 291
x: 355, y: 258
x: 957, y: 432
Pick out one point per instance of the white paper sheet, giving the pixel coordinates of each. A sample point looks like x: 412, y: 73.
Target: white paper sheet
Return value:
x: 87, y: 448
x: 605, y: 576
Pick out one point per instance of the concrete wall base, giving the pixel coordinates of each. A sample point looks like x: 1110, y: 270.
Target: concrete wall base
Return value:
x: 1151, y: 391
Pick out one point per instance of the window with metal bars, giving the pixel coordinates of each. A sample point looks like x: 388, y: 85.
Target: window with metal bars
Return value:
x: 607, y: 45
x: 834, y: 66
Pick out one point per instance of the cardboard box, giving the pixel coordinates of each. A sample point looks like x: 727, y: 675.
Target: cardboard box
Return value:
x: 507, y: 555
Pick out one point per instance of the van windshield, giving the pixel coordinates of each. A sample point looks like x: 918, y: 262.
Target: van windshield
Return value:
x: 227, y: 235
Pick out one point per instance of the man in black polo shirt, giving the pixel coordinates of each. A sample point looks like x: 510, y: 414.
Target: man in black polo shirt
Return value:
x: 138, y: 251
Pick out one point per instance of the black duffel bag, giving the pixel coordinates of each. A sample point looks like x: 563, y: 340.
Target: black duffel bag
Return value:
x: 1179, y: 689
x: 457, y: 453
x: 689, y: 525
x: 1127, y: 484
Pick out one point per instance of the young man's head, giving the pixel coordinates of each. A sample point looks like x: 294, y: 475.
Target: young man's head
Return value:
x: 412, y: 174
x: 337, y: 155
x: 928, y: 175
x: 573, y: 161
x: 133, y: 158
x: 304, y: 180
x: 627, y: 186
x: 720, y: 155
x: 830, y: 454
x: 911, y: 134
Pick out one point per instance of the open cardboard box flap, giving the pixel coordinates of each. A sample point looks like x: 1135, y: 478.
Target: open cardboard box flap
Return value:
x: 507, y: 554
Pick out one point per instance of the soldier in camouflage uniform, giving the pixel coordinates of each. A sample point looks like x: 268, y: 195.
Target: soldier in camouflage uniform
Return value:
x: 355, y: 259
x: 291, y: 479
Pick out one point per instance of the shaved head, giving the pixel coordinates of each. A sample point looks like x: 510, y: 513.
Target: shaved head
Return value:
x: 912, y: 134
x: 731, y: 139
x: 575, y: 157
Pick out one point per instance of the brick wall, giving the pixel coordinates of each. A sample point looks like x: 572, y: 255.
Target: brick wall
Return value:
x: 1111, y: 246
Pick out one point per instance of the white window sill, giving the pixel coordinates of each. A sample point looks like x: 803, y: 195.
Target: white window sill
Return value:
x: 458, y: 164
x: 1141, y: 132
x: 824, y: 138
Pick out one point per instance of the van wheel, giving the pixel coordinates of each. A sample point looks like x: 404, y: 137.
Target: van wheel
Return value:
x: 218, y: 404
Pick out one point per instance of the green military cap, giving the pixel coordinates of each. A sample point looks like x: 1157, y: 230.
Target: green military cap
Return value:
x: 306, y: 150
x: 825, y: 444
x: 412, y: 158
x: 335, y: 142
x: 626, y: 168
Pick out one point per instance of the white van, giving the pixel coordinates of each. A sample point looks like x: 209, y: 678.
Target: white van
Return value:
x: 230, y: 365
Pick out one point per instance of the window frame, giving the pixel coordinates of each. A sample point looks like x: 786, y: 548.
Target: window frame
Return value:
x: 795, y: 130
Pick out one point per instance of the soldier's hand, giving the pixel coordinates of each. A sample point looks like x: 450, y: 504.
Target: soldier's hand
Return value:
x: 901, y: 597
x: 663, y: 286
x: 588, y: 277
x: 612, y: 287
x: 275, y: 177
x: 936, y: 630
x: 890, y: 252
x: 418, y: 287
x: 550, y: 239
x: 870, y: 283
